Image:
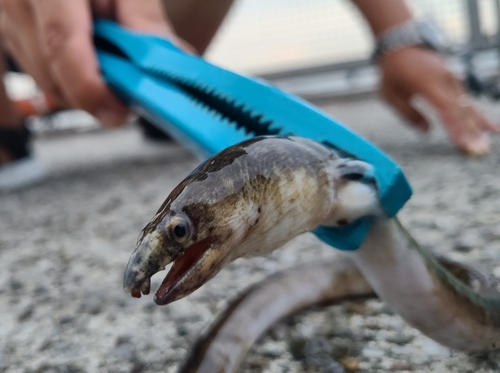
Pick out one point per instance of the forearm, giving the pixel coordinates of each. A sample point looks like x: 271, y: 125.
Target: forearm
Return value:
x: 381, y: 15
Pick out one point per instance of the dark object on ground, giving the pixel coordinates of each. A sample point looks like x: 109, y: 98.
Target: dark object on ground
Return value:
x: 151, y: 132
x: 15, y: 141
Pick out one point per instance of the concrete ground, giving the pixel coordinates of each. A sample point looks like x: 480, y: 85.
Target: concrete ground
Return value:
x: 64, y: 245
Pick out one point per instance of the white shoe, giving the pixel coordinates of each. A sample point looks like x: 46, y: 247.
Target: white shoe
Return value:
x: 21, y: 173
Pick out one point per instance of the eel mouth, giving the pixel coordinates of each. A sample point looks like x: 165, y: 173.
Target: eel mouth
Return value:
x: 190, y: 270
x: 188, y: 273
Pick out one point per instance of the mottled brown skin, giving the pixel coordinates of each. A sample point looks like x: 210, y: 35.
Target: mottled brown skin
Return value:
x: 205, y: 195
x: 249, y: 175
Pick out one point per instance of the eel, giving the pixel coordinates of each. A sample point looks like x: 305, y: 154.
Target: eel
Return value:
x: 250, y: 199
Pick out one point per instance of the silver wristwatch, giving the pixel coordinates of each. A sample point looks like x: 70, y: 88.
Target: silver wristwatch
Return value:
x: 409, y: 34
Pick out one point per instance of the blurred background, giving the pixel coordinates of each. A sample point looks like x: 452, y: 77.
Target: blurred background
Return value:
x: 320, y: 48
x: 64, y: 243
x: 264, y: 36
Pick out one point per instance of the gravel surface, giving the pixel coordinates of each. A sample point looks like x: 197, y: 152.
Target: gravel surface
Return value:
x: 64, y: 245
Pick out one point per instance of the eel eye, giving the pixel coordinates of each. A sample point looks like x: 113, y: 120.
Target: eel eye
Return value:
x: 180, y: 230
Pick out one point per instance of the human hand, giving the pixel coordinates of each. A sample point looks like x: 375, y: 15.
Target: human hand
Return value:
x: 52, y: 41
x: 415, y: 71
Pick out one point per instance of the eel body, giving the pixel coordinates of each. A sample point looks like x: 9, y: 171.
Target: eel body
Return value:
x: 225, y: 344
x: 252, y: 198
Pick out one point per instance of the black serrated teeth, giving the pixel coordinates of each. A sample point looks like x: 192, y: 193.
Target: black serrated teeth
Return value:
x: 221, y: 104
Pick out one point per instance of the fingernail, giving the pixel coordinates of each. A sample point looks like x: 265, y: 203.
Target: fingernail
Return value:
x: 477, y: 146
x: 111, y: 118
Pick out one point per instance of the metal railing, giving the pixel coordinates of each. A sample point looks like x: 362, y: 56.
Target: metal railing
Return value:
x: 282, y: 39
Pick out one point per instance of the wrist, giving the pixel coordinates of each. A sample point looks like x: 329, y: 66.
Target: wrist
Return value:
x: 409, y: 34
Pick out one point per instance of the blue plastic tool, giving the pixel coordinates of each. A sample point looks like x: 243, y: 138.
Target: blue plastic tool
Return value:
x: 208, y: 108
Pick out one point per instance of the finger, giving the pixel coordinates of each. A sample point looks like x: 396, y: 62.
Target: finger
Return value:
x: 450, y: 96
x: 465, y: 125
x: 464, y: 132
x: 21, y: 41
x: 464, y: 101
x: 66, y: 41
x: 403, y: 106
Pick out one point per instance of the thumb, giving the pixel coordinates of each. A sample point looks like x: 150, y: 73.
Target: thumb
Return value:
x: 144, y: 16
x: 149, y: 17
